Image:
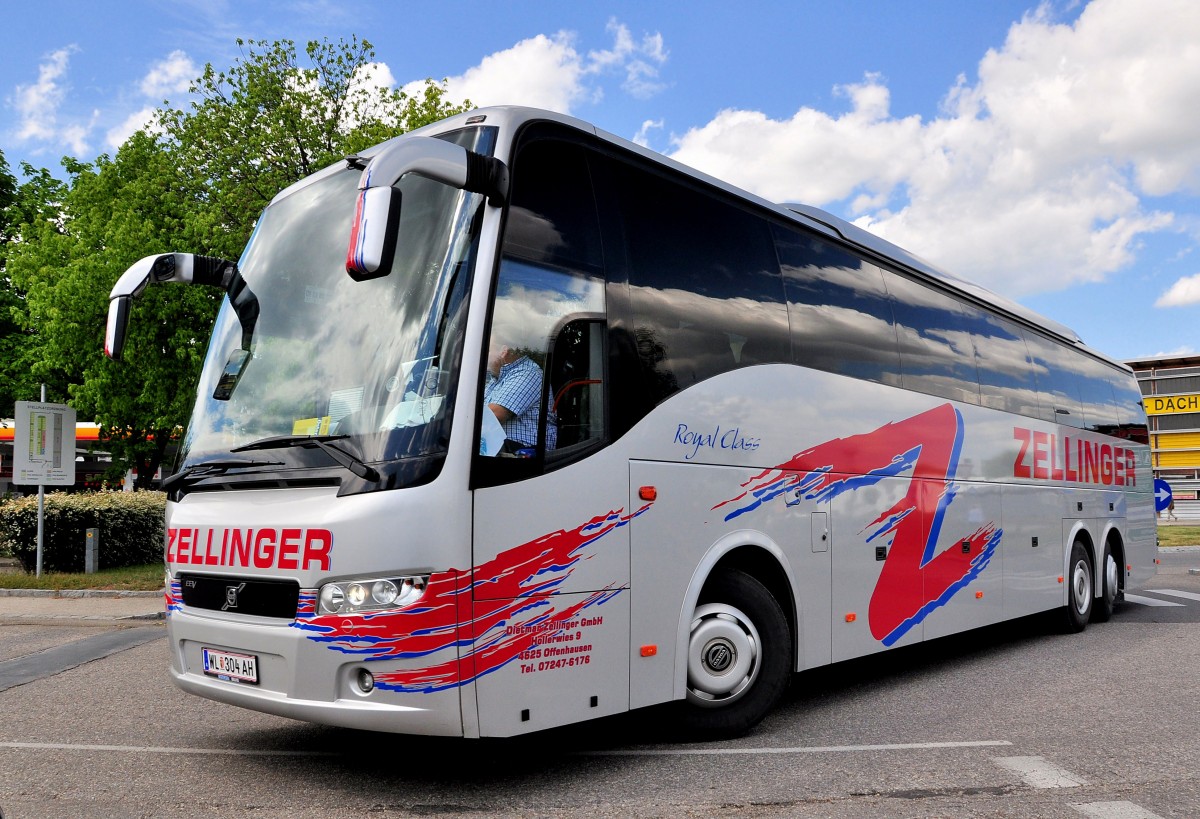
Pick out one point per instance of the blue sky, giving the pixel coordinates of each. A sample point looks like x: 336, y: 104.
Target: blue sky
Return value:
x: 1048, y: 151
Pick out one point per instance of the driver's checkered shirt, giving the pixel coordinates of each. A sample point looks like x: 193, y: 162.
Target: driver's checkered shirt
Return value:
x: 518, y: 389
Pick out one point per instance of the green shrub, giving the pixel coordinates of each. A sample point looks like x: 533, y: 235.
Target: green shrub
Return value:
x: 130, y: 528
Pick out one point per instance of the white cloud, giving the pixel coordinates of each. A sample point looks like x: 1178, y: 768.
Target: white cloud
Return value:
x: 544, y: 72
x: 549, y: 71
x: 1183, y: 293
x: 1030, y: 180
x: 143, y: 120
x: 373, y: 75
x: 75, y: 135
x: 812, y: 157
x: 172, y: 75
x: 37, y: 104
x: 639, y: 61
x: 642, y: 137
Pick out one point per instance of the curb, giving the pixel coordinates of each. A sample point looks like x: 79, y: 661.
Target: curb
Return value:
x: 83, y: 622
x: 69, y: 594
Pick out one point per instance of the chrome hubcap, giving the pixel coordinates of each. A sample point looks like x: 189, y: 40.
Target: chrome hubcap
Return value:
x: 723, y: 655
x: 1081, y: 587
x: 1111, y: 578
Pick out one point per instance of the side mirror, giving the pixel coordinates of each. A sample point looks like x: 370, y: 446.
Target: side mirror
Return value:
x: 118, y: 323
x: 373, y: 235
x: 162, y: 267
x: 377, y: 216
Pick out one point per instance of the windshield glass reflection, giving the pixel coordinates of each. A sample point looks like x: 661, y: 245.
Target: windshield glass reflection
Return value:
x: 375, y: 360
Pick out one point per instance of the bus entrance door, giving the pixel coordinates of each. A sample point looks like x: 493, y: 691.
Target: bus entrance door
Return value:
x: 550, y: 600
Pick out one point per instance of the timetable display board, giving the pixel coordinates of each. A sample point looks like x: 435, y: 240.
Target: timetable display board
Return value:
x: 44, y: 444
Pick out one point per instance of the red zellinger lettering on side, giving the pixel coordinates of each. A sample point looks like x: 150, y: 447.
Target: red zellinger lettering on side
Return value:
x: 1045, y: 456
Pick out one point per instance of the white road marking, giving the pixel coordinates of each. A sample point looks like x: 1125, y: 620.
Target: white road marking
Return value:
x: 1148, y: 601
x: 1038, y: 772
x: 1115, y: 810
x: 811, y: 749
x: 1174, y: 593
x: 144, y: 749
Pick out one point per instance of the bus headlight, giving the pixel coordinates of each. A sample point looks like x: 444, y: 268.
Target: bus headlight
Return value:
x: 351, y: 596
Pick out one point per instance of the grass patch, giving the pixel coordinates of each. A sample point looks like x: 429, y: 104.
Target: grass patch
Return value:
x: 128, y: 578
x: 1178, y: 535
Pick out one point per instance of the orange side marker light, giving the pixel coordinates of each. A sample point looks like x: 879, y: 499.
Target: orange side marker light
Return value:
x: 1060, y: 578
x: 649, y: 651
x: 978, y: 595
x: 648, y: 493
x: 851, y: 617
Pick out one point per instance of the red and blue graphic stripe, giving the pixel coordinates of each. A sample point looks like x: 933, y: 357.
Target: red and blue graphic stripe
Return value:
x: 490, y: 614
x: 926, y: 448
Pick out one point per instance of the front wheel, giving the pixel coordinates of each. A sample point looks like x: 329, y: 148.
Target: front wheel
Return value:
x: 740, y: 657
x: 1079, y: 589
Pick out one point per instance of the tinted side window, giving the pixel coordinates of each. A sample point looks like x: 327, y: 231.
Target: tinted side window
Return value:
x: 1130, y: 410
x: 544, y: 380
x: 1096, y: 391
x: 1058, y: 385
x: 1006, y: 380
x: 552, y: 218
x: 937, y: 355
x: 704, y: 286
x: 841, y: 318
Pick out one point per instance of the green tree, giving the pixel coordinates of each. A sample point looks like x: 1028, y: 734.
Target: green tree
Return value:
x: 198, y: 186
x: 272, y: 119
x: 34, y: 202
x: 112, y: 212
x: 12, y: 342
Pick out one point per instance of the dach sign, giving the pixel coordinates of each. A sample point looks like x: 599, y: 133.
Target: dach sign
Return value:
x: 1171, y: 404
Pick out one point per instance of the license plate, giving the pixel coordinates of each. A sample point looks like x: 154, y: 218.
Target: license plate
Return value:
x: 227, y: 665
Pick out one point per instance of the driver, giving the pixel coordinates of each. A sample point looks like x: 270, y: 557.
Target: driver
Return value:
x: 512, y: 392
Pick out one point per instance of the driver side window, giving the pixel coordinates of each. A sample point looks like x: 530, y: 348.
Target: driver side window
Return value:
x: 543, y: 389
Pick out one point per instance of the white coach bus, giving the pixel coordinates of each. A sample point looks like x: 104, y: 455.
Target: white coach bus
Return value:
x: 509, y: 423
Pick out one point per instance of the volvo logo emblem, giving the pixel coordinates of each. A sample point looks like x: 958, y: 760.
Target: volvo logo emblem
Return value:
x: 231, y: 596
x: 719, y: 657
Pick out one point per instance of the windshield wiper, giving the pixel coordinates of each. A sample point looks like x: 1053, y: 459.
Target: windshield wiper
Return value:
x: 207, y: 468
x: 342, y: 457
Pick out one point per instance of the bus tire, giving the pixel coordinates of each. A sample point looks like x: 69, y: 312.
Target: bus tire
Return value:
x: 1107, y: 603
x: 1079, y: 589
x: 740, y: 657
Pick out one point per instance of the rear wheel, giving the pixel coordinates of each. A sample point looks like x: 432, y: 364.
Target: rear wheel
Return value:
x: 1079, y: 588
x: 740, y: 657
x: 1111, y: 576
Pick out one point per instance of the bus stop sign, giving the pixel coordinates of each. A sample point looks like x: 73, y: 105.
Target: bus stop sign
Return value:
x: 1162, y: 495
x: 44, y: 444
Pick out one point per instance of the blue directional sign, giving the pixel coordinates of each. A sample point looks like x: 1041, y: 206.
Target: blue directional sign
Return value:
x: 1162, y: 495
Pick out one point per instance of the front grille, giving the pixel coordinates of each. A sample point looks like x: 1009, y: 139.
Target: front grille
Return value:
x: 262, y: 598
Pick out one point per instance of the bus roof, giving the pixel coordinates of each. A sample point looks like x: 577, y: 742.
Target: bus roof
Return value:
x: 512, y: 118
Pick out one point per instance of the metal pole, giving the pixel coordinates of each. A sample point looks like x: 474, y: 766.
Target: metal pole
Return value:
x: 41, y: 510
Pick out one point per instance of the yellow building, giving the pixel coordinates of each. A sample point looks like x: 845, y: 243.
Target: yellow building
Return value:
x: 1171, y: 394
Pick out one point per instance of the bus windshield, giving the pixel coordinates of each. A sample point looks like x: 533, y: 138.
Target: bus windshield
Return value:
x: 372, y: 363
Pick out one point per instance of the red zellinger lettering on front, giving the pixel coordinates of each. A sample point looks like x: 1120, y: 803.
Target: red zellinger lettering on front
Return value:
x: 265, y: 548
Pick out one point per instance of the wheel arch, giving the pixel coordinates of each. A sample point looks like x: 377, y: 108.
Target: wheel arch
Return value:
x: 1079, y: 532
x: 756, y: 555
